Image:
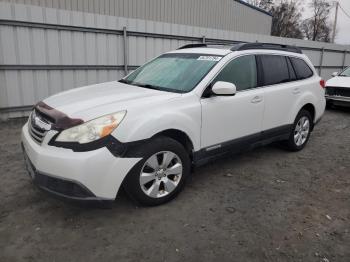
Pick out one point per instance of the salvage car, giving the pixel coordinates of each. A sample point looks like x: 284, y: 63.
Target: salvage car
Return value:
x: 338, y: 89
x: 186, y: 107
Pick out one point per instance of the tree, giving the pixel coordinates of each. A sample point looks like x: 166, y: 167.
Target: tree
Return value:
x: 318, y: 27
x: 286, y: 19
x: 266, y: 4
x: 263, y: 4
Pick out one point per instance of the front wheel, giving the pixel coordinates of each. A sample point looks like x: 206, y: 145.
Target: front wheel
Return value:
x: 300, y: 132
x: 161, y: 174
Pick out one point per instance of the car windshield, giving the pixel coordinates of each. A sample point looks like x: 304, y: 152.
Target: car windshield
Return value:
x: 346, y: 72
x: 173, y: 72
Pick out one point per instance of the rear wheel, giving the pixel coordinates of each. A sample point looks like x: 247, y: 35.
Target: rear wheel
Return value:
x: 161, y: 174
x: 301, y: 131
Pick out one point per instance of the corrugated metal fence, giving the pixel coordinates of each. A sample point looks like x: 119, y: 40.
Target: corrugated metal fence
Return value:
x: 44, y: 51
x: 234, y: 15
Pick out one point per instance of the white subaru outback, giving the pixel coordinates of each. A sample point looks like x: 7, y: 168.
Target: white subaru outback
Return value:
x: 181, y: 109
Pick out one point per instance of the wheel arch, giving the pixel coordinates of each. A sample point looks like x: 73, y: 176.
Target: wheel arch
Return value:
x: 307, y: 101
x: 311, y: 109
x: 179, y: 136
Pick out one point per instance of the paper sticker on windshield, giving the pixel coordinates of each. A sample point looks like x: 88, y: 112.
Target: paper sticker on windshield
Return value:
x: 210, y: 58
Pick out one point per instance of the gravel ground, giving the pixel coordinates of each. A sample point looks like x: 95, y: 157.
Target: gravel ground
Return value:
x: 263, y: 205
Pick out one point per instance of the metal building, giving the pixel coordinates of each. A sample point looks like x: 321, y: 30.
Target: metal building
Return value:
x: 234, y: 15
x: 49, y: 46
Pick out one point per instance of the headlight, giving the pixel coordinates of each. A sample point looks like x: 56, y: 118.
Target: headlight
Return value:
x: 92, y: 130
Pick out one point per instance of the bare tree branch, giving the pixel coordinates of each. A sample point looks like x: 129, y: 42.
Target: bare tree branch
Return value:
x: 318, y: 27
x: 287, y: 19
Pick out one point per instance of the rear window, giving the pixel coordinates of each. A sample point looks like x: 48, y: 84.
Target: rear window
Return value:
x: 275, y: 69
x: 301, y: 68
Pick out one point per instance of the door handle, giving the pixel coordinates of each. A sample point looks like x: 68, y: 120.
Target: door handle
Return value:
x: 256, y: 99
x: 296, y: 90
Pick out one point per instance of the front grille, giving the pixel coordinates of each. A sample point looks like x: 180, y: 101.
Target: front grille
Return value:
x: 337, y: 91
x: 37, y: 133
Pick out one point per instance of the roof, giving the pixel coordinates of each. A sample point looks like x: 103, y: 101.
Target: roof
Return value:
x: 241, y: 47
x: 254, y: 7
x: 204, y: 50
x: 212, y: 51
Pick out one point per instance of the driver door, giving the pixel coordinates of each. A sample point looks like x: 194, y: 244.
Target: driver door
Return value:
x: 233, y: 121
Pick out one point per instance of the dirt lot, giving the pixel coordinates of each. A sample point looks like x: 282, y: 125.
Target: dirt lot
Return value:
x: 264, y: 205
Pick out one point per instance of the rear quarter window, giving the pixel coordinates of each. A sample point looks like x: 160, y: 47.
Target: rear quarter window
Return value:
x: 292, y: 74
x: 301, y: 68
x: 275, y: 69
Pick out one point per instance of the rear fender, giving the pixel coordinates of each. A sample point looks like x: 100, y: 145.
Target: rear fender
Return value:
x: 306, y: 98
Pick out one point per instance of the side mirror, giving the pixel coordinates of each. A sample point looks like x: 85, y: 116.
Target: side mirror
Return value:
x: 222, y: 88
x: 335, y: 74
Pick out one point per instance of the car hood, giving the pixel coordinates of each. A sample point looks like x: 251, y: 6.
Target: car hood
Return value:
x: 89, y: 102
x: 339, y: 81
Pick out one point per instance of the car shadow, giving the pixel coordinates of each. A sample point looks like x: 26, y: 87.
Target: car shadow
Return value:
x: 343, y: 109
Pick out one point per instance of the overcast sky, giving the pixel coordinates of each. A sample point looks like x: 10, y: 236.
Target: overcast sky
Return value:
x: 343, y: 24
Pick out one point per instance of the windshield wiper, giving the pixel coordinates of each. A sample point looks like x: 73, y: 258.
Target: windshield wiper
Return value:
x: 148, y: 86
x: 139, y: 84
x: 124, y: 81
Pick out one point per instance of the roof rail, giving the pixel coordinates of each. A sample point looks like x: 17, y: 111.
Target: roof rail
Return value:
x: 250, y: 46
x: 269, y: 46
x: 192, y: 46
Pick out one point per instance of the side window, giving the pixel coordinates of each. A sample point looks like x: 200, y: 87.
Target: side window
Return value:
x: 292, y: 74
x: 275, y: 69
x: 241, y: 72
x: 301, y: 68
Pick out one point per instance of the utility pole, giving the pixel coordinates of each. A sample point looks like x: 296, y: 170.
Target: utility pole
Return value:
x: 335, y: 20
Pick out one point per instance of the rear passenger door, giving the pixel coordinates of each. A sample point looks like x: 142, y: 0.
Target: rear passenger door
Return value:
x: 280, y: 93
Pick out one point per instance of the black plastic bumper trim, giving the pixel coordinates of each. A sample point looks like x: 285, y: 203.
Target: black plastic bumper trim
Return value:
x: 117, y: 148
x: 241, y: 144
x: 93, y: 201
x: 62, y: 187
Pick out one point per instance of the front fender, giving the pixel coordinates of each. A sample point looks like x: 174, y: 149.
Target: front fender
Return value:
x: 147, y: 125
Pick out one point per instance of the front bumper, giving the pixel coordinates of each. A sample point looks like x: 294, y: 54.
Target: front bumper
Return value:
x: 62, y: 188
x: 92, y: 175
x: 341, y: 100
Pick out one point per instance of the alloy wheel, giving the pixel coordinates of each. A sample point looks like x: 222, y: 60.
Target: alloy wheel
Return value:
x: 161, y: 174
x: 301, y: 131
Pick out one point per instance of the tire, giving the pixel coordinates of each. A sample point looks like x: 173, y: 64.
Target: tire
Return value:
x: 296, y: 144
x: 153, y: 166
